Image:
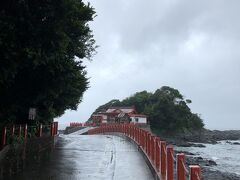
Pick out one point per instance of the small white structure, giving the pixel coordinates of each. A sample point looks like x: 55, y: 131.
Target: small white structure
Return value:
x: 138, y: 118
x: 104, y: 118
x: 119, y: 115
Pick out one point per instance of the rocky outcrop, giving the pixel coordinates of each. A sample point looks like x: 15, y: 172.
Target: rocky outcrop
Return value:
x: 232, y: 143
x: 207, y: 172
x: 199, y: 160
x: 208, y: 136
x: 210, y: 174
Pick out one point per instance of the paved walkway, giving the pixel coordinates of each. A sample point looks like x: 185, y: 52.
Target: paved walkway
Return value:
x: 95, y: 157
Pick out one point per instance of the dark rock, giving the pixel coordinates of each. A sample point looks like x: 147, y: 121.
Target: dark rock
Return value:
x: 211, y: 137
x: 198, y: 145
x: 212, y: 142
x: 236, y: 143
x: 232, y: 143
x: 185, y: 152
x: 212, y: 163
x: 210, y: 174
x: 187, y: 144
x: 200, y: 161
x: 184, y: 145
x: 208, y: 136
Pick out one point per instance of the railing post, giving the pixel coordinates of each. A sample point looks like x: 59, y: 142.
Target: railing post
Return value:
x: 170, y: 163
x: 13, y: 130
x: 140, y: 137
x: 157, y: 162
x: 136, y: 129
x: 131, y: 131
x: 136, y: 132
x: 52, y: 129
x: 20, y: 131
x: 163, y: 159
x: 152, y: 148
x: 146, y: 141
x: 40, y: 130
x: 148, y: 144
x: 25, y: 132
x: 195, y: 172
x: 180, y: 167
x: 55, y: 128
x: 4, y: 137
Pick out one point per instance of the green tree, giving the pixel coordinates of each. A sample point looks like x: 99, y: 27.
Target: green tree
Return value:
x: 41, y: 44
x: 114, y: 102
x: 139, y: 100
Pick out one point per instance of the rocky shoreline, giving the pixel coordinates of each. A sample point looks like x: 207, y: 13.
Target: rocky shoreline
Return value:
x: 204, y: 136
x: 207, y: 137
x: 206, y: 164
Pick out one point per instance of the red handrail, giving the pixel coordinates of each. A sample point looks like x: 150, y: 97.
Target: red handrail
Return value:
x: 160, y: 155
x: 163, y: 159
x: 157, y: 150
x: 22, y: 130
x: 195, y: 172
x: 181, y: 170
x: 170, y: 162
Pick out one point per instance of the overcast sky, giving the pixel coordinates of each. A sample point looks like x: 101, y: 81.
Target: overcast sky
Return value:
x: 193, y: 46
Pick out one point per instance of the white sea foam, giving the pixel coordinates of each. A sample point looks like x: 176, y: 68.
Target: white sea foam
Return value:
x: 215, y: 158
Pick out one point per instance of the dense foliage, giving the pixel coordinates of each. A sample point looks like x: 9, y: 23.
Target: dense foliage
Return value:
x: 41, y: 44
x: 166, y: 108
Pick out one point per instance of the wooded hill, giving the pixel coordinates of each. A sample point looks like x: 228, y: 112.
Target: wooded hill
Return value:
x: 167, y: 110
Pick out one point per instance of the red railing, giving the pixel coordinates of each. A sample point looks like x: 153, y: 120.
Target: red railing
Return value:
x: 76, y: 124
x: 159, y: 154
x: 23, y: 130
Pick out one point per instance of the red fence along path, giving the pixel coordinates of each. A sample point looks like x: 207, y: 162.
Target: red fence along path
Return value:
x: 159, y: 155
x: 23, y: 130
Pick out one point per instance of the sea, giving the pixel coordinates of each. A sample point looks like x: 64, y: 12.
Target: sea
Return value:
x: 224, y: 153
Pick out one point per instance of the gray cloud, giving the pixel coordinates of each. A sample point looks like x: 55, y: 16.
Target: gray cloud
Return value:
x: 190, y: 45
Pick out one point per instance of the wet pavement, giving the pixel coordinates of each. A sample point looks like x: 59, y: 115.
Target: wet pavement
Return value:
x: 77, y: 157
